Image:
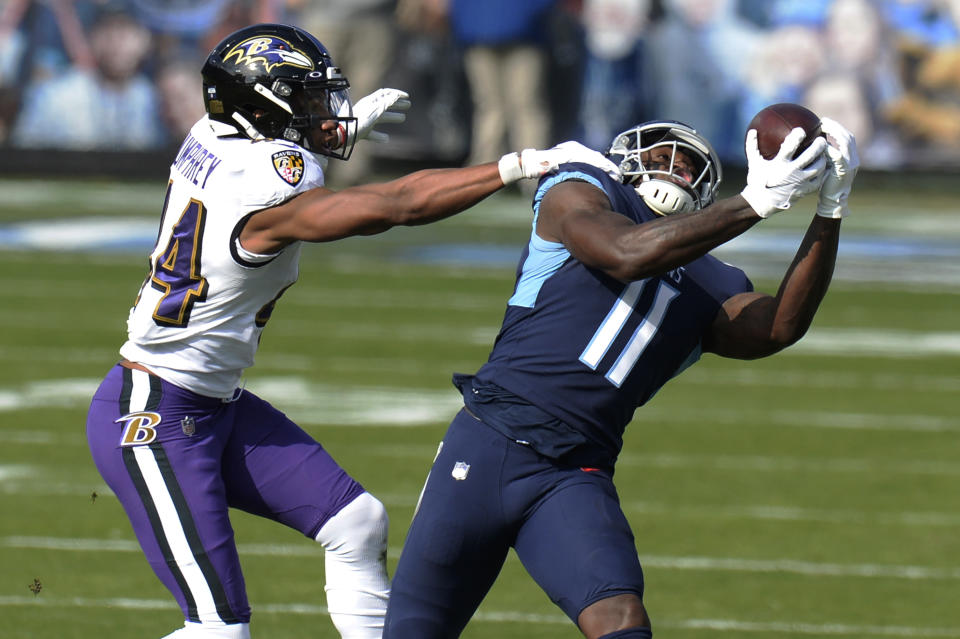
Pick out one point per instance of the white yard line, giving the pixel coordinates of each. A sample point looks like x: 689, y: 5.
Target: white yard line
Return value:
x: 16, y: 481
x: 511, y: 616
x: 707, y: 564
x: 317, y: 404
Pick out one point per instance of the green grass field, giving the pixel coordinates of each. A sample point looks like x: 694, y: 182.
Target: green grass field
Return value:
x: 812, y: 494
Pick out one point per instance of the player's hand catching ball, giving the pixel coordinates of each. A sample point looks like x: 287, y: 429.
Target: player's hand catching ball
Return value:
x: 842, y: 165
x: 773, y: 185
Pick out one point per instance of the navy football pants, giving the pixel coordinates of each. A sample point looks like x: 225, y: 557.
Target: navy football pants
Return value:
x: 486, y: 493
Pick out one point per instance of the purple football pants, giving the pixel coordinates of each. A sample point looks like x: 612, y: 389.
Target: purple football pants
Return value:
x: 177, y: 460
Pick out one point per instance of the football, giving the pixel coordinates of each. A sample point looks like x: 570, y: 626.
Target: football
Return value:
x: 774, y: 123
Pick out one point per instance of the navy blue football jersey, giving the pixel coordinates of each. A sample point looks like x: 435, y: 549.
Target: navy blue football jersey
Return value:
x: 587, y: 349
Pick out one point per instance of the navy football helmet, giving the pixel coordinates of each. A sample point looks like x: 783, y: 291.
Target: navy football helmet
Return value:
x: 673, y: 168
x: 278, y: 81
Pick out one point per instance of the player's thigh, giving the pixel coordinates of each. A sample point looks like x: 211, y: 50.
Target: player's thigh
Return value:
x: 458, y: 540
x: 577, y: 544
x: 275, y: 469
x: 159, y: 448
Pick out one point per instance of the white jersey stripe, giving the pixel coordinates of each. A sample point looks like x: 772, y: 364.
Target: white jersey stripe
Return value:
x: 175, y: 535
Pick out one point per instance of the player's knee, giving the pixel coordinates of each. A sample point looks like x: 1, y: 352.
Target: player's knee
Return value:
x: 358, y: 531
x: 357, y: 585
x: 625, y: 612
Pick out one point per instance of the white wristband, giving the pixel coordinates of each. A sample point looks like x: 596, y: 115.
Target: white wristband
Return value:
x: 833, y: 210
x: 510, y: 169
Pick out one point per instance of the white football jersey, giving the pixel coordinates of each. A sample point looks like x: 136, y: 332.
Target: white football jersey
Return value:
x: 201, y: 309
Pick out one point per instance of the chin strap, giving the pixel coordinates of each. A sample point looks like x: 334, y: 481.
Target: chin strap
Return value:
x: 221, y: 129
x: 665, y: 198
x: 247, y: 127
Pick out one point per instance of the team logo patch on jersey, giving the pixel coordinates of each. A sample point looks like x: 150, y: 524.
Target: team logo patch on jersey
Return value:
x: 289, y: 166
x: 268, y: 51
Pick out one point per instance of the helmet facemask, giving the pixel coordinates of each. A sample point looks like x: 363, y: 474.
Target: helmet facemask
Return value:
x: 671, y: 166
x: 322, y: 120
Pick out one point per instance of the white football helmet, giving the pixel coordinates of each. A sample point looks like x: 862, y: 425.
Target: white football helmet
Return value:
x: 667, y: 183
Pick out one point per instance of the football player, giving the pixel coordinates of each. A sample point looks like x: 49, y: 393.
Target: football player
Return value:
x: 616, y: 293
x: 171, y: 431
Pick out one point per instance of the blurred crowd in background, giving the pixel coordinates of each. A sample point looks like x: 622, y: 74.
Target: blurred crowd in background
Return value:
x: 488, y: 76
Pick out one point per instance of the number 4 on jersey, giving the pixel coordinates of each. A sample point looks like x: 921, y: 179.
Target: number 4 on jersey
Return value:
x: 176, y: 271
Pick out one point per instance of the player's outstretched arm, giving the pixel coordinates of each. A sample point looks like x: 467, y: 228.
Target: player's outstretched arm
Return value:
x: 578, y: 215
x: 752, y: 325
x: 323, y: 215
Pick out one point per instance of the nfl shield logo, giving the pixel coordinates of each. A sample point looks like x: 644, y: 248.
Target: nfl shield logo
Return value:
x: 460, y: 470
x: 188, y: 425
x: 289, y: 166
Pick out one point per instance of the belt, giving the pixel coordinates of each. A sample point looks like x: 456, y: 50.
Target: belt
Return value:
x: 134, y: 366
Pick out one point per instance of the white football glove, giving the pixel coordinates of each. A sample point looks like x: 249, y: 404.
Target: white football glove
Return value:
x: 383, y: 106
x: 531, y: 163
x: 842, y: 165
x: 773, y: 185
